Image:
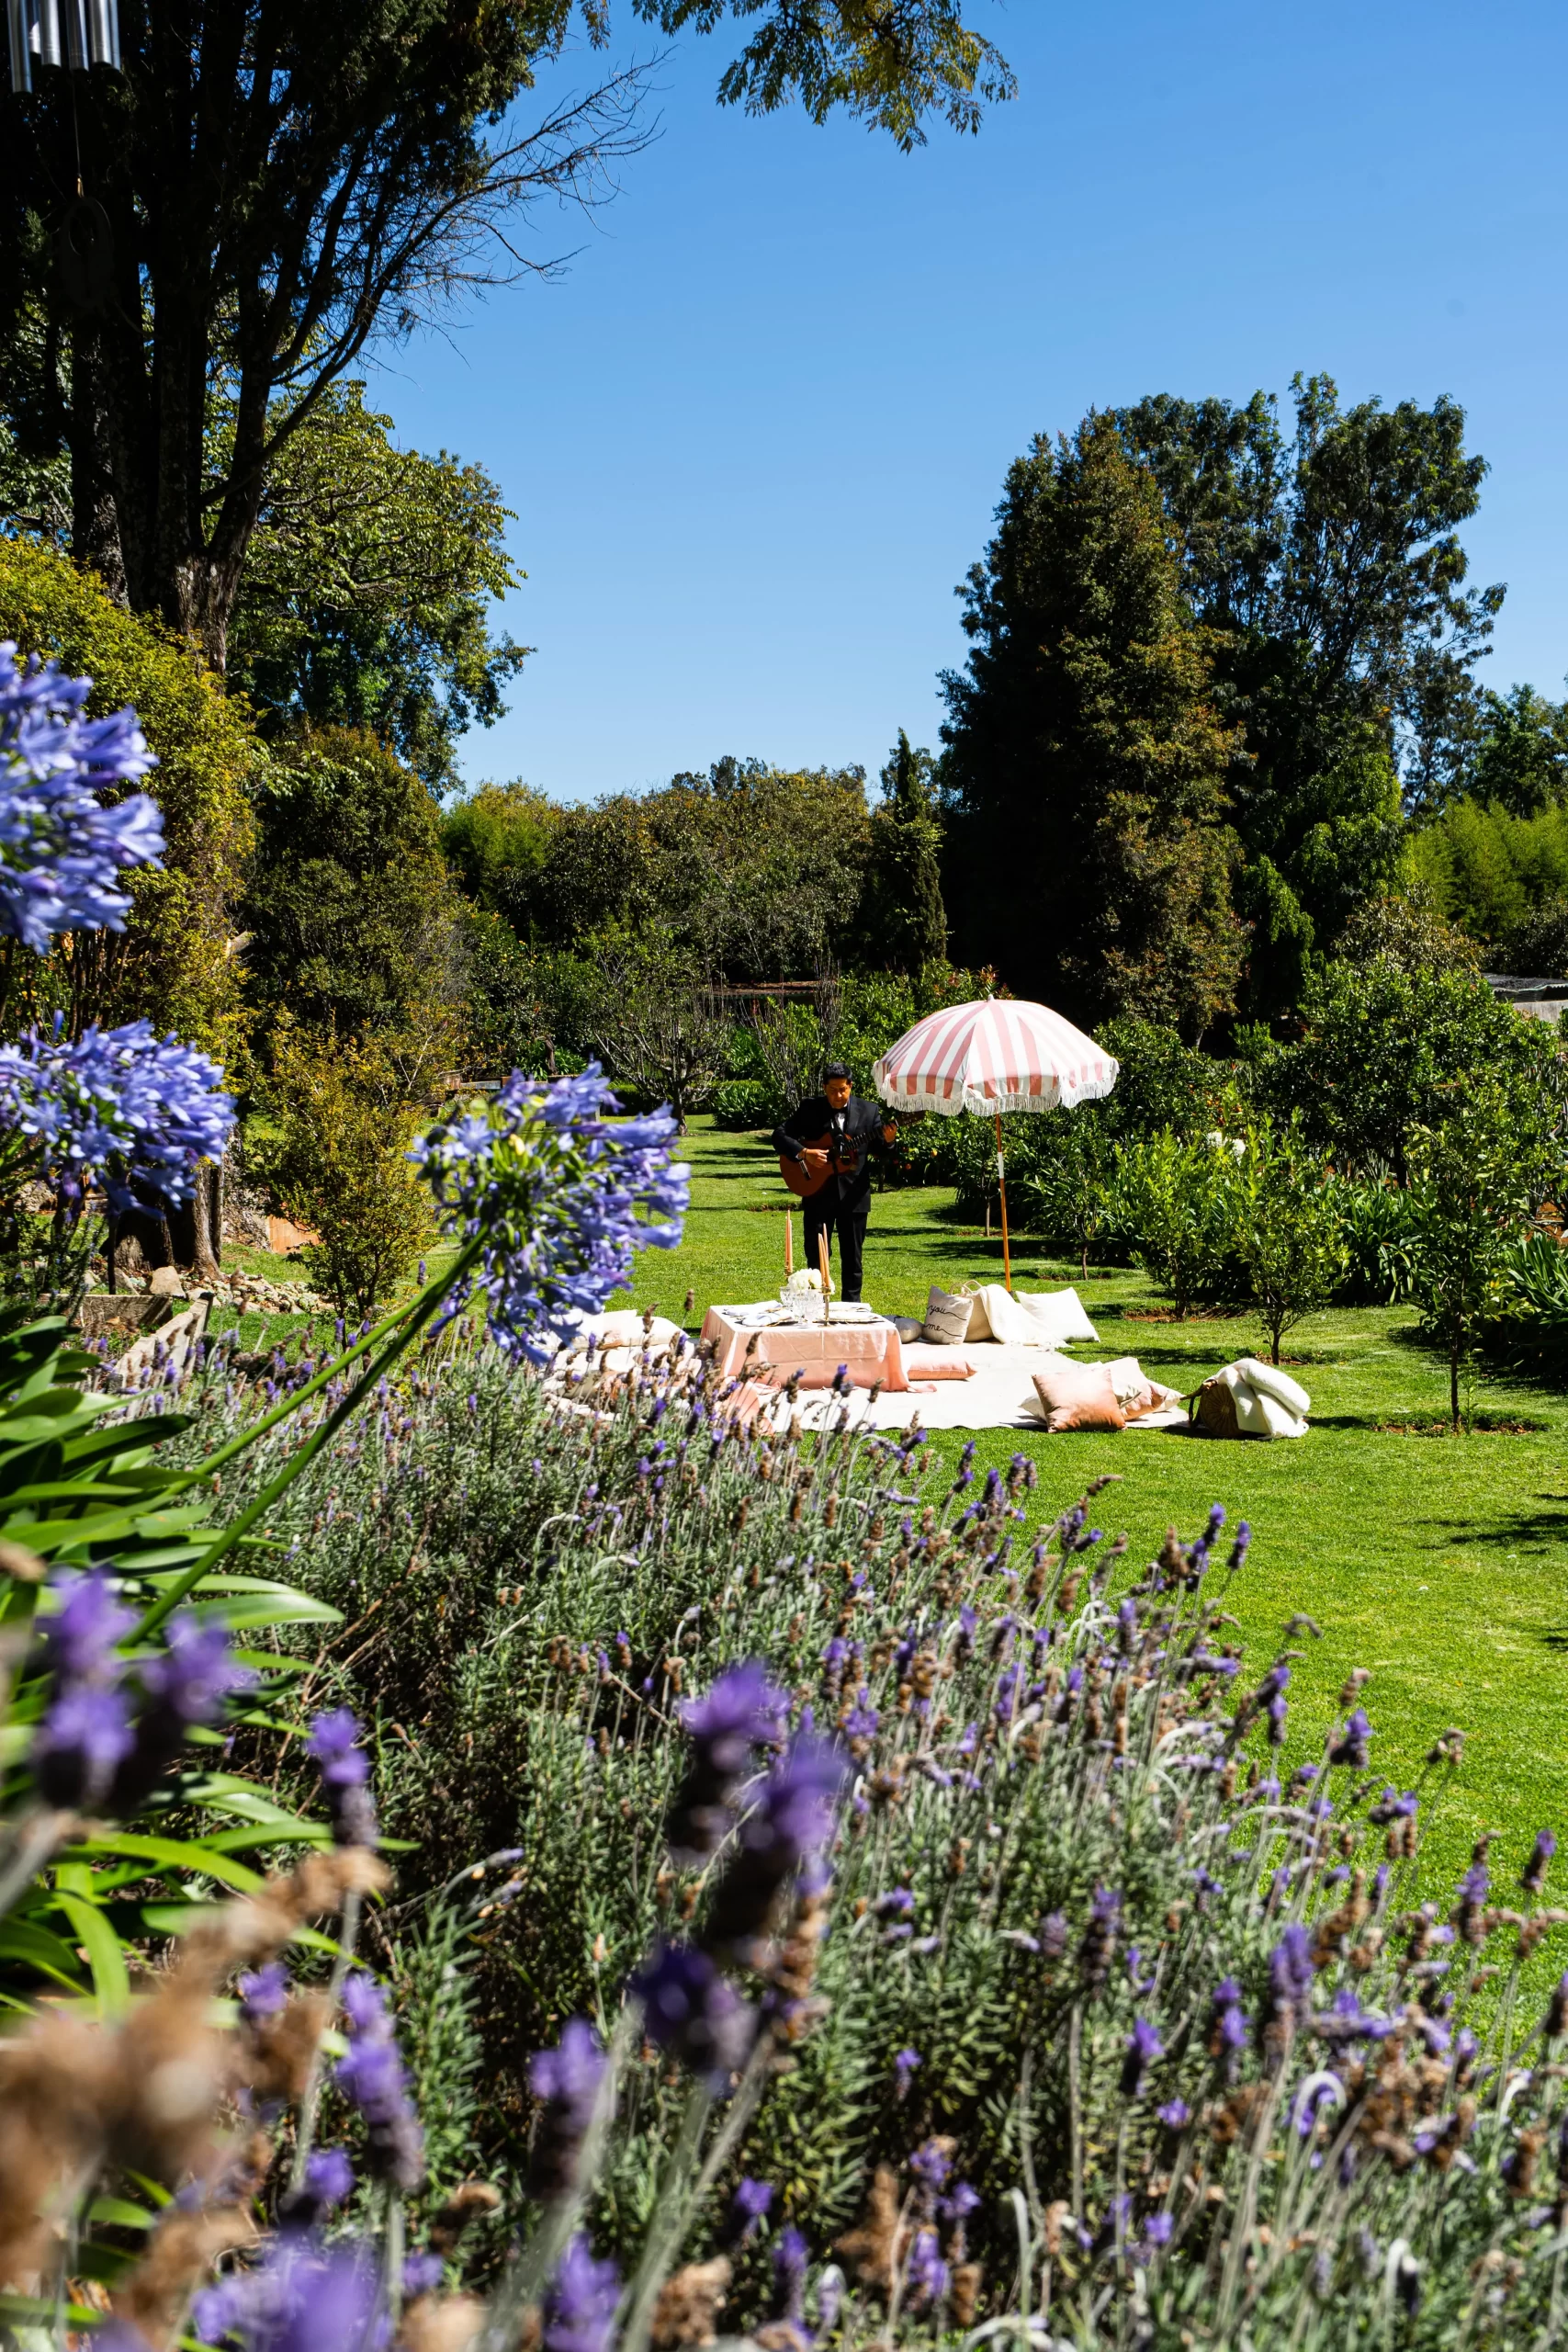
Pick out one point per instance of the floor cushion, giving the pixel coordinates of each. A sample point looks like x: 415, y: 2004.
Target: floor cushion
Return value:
x: 1076, y: 1395
x: 947, y: 1318
x: 1059, y: 1316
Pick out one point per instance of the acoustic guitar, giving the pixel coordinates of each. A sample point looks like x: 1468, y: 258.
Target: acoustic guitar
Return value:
x: 843, y: 1159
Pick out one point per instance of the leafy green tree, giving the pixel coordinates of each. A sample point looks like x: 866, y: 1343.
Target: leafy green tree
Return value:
x: 1489, y: 869
x: 1329, y: 570
x: 657, y: 1027
x: 1469, y: 1202
x: 496, y: 838
x: 1408, y: 932
x: 1085, y: 763
x: 1173, y: 1205
x: 1285, y: 1229
x: 354, y: 915
x: 279, y: 182
x: 1069, y: 1190
x: 1522, y: 758
x: 177, y: 961
x: 902, y: 922
x: 365, y: 594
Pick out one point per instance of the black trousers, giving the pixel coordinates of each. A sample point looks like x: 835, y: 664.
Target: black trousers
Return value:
x: 824, y: 1215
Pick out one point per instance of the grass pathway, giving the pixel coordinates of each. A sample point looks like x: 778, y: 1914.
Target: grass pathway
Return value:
x: 1437, y: 1562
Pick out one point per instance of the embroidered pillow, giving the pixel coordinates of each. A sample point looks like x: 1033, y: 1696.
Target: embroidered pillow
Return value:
x: 947, y: 1320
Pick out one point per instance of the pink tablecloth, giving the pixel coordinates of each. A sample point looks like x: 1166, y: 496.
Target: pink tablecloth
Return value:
x: 870, y: 1349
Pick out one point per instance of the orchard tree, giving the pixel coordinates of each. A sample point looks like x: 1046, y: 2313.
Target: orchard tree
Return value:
x: 1286, y: 1230
x: 1470, y: 1200
x: 273, y: 185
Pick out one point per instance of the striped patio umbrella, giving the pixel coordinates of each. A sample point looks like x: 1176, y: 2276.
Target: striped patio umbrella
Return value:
x: 995, y: 1056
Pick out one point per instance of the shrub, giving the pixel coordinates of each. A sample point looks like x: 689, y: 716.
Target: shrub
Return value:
x: 1173, y: 1207
x: 1470, y: 1200
x: 1066, y: 1192
x: 744, y: 1103
x: 339, y: 1161
x: 174, y: 965
x: 1282, y: 1211
x: 1378, y: 1230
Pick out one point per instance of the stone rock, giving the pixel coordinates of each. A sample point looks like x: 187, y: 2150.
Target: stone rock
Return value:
x: 166, y: 1282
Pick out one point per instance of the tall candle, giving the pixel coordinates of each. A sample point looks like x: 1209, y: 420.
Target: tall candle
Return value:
x: 827, y: 1278
x: 789, y: 1241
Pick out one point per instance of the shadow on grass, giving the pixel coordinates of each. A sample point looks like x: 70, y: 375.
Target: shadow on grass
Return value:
x: 1542, y: 1529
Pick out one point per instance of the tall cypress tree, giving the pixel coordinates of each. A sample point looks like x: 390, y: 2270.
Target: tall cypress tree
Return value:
x: 1089, y: 857
x: 902, y: 924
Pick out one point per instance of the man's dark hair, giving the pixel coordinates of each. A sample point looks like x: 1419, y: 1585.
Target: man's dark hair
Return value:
x: 835, y: 1070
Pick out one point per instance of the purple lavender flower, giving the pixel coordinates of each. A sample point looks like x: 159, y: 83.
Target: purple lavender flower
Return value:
x: 1143, y: 2046
x: 566, y: 2080
x: 1241, y: 1544
x: 1352, y: 1745
x: 1176, y: 2115
x: 792, y: 1817
x: 749, y: 2210
x: 186, y: 1683
x: 790, y: 2255
x: 559, y: 1195
x: 580, y: 2309
x: 263, y: 1993
x: 691, y: 2008
x: 298, y: 2299
x: 926, y: 2273
x: 932, y: 2165
x: 738, y: 1713
x: 372, y: 2074
x: 1159, y: 2229
x: 345, y: 1774
x: 1097, y: 1945
x: 1289, y: 1985
x: 421, y: 2275
x: 62, y: 850
x: 120, y: 1106
x: 81, y: 1742
x: 903, y: 2064
x: 329, y: 2177
x: 80, y: 1638
x: 1052, y: 1935
x: 1532, y: 1878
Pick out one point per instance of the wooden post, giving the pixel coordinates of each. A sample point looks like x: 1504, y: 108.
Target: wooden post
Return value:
x: 827, y: 1278
x: 1002, y: 1188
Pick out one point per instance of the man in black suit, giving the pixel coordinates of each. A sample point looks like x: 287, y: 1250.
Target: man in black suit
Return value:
x: 855, y: 1130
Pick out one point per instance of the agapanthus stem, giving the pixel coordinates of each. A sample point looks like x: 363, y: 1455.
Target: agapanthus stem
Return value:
x: 310, y: 2097
x: 417, y: 1318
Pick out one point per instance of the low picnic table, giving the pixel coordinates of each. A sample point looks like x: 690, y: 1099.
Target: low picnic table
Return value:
x: 871, y: 1350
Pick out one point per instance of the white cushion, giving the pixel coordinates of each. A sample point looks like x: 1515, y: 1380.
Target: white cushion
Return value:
x: 624, y: 1329
x: 1271, y: 1382
x: 947, y: 1320
x: 1059, y: 1314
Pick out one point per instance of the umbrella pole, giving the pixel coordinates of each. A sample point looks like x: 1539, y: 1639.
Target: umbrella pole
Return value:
x: 1002, y: 1188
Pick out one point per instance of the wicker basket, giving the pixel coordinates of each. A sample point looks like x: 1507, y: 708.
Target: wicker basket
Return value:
x: 1217, y: 1409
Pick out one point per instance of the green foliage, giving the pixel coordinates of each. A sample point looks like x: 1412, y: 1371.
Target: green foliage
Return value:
x: 339, y: 1162
x: 1285, y: 1228
x: 902, y: 922
x: 1377, y: 1229
x: 367, y: 582
x: 353, y: 916
x: 1470, y: 1200
x: 1488, y: 870
x: 656, y: 1027
x: 1068, y: 1194
x: 1409, y: 932
x: 1384, y: 1050
x: 505, y: 997
x: 174, y: 963
x: 1521, y: 759
x: 495, y: 837
x: 1175, y: 1211
x: 1084, y: 764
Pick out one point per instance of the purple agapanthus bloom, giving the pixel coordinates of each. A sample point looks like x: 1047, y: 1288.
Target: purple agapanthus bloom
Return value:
x: 1143, y: 2046
x: 562, y: 1198
x: 372, y: 2074
x: 120, y: 1107
x: 298, y: 2299
x: 580, y: 2307
x: 345, y: 1774
x: 691, y: 2008
x: 62, y: 853
x: 566, y: 2080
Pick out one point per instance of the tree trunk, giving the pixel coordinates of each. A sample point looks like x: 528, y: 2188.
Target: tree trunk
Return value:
x: 94, y: 515
x: 209, y: 1177
x: 1454, y: 1353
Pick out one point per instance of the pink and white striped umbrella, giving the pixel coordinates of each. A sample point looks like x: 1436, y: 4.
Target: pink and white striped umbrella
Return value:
x: 999, y: 1055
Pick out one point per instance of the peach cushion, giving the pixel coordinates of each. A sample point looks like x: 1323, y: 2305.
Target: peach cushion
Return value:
x: 937, y: 1363
x: 1078, y: 1397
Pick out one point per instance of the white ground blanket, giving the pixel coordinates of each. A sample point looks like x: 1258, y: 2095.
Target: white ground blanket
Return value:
x: 999, y: 1396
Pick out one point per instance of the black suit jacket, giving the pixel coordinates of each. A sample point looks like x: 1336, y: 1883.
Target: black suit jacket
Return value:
x: 862, y: 1125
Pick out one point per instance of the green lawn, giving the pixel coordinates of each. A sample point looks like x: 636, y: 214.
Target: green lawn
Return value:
x: 1437, y: 1562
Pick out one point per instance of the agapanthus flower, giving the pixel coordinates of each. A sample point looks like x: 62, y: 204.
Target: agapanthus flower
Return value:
x: 1143, y: 2046
x: 566, y: 2079
x: 562, y: 1198
x: 741, y: 1711
x: 373, y: 2076
x: 792, y: 1815
x: 691, y: 2008
x: 119, y: 1107
x: 299, y: 2297
x: 62, y: 853
x: 345, y: 1774
x: 580, y: 2307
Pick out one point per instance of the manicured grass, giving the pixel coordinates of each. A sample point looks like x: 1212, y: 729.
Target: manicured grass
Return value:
x: 1437, y: 1562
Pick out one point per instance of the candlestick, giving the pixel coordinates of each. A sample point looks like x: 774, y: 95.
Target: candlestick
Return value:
x: 789, y: 1243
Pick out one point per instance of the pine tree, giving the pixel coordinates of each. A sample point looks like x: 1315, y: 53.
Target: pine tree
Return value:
x: 1088, y: 856
x: 902, y: 924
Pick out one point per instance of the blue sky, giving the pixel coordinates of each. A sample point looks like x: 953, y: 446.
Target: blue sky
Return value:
x: 754, y: 435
